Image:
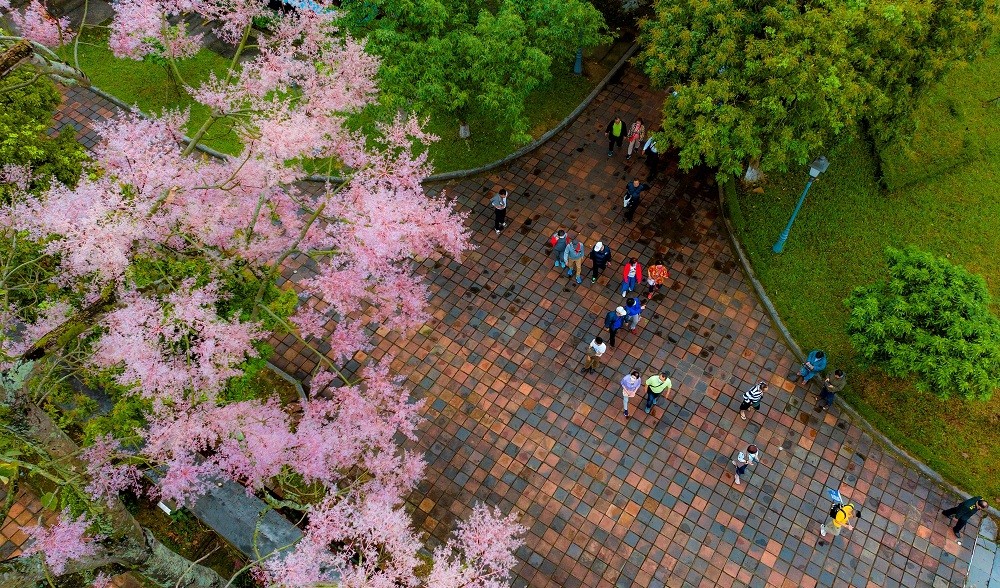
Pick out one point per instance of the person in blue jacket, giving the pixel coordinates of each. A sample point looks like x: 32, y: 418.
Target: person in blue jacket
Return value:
x: 573, y: 259
x: 815, y: 363
x: 633, y: 308
x: 614, y: 321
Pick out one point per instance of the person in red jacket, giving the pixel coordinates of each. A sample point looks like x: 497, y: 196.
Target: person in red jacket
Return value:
x: 631, y: 276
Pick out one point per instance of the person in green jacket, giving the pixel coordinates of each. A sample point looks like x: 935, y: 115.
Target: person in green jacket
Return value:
x: 615, y: 133
x: 656, y: 386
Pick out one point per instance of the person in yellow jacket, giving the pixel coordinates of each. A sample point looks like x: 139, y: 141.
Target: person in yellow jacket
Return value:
x: 840, y: 517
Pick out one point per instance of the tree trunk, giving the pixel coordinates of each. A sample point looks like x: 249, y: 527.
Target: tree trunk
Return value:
x: 149, y: 558
x: 86, y: 316
x: 134, y: 547
x: 17, y: 53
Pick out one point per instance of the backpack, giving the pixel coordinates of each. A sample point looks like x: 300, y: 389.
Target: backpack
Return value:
x: 835, y: 510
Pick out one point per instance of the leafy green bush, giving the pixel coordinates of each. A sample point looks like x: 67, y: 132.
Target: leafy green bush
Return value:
x: 930, y: 319
x: 25, y: 117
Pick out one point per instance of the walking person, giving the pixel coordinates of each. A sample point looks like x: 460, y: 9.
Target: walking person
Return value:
x: 632, y: 191
x: 652, y: 159
x: 963, y: 512
x: 595, y: 350
x: 815, y: 363
x: 656, y: 276
x: 744, y: 460
x: 636, y: 133
x: 633, y: 308
x: 615, y: 132
x: 499, y: 203
x: 752, y: 398
x: 600, y: 255
x: 657, y: 385
x: 831, y: 387
x: 614, y: 321
x: 573, y: 259
x: 559, y: 241
x: 840, y: 517
x: 630, y: 387
x: 631, y: 276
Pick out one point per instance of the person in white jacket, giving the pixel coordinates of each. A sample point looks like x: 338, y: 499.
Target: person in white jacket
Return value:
x: 745, y: 459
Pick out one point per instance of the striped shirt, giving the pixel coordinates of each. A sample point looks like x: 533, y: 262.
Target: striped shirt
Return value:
x: 753, y: 395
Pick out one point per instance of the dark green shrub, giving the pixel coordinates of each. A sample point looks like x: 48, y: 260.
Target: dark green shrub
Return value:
x: 25, y: 119
x: 931, y: 319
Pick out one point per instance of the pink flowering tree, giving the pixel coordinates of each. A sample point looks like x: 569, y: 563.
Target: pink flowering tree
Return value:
x: 65, y: 541
x: 167, y: 266
x: 31, y: 44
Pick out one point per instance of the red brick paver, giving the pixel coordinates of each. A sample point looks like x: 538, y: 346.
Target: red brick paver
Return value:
x: 648, y: 502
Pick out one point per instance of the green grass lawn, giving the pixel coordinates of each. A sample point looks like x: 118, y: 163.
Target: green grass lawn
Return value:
x: 148, y: 85
x: 838, y: 240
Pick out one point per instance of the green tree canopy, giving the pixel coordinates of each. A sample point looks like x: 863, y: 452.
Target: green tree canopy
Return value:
x: 559, y: 28
x: 931, y: 319
x: 775, y: 81
x: 454, y: 55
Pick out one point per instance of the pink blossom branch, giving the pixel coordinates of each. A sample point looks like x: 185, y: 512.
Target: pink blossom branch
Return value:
x: 276, y: 266
x: 322, y: 357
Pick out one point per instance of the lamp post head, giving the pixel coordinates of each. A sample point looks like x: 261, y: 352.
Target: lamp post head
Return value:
x: 818, y: 166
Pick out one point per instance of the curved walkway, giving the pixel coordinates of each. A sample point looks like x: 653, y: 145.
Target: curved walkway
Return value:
x: 648, y: 502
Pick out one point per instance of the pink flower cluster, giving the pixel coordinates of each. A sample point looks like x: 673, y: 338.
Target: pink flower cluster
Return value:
x: 482, y: 555
x: 18, y: 175
x: 253, y: 441
x: 49, y: 317
x: 36, y: 24
x: 141, y: 28
x: 62, y: 543
x: 109, y: 477
x: 176, y: 347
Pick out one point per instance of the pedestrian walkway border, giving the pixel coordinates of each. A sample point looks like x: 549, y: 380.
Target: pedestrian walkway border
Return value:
x: 728, y: 190
x: 452, y: 175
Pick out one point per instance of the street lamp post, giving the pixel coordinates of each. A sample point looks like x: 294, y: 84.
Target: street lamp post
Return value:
x: 815, y: 169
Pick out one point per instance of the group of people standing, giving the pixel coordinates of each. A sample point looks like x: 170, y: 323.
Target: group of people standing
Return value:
x: 618, y: 133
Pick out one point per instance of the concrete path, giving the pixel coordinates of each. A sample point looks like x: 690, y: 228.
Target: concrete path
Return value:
x: 649, y: 501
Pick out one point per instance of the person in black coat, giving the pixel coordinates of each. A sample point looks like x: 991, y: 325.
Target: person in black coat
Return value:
x: 631, y: 203
x: 963, y: 512
x: 600, y: 255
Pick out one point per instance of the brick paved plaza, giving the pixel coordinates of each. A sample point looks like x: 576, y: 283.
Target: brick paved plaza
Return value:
x: 649, y: 501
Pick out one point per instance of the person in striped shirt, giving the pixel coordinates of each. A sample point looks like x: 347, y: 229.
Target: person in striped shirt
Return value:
x: 752, y: 398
